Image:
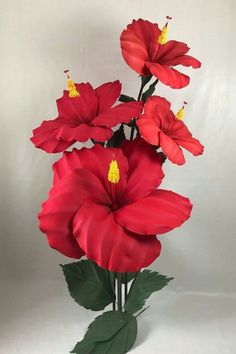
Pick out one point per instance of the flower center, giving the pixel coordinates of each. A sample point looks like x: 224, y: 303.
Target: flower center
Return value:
x: 163, y: 36
x: 180, y: 113
x: 113, y: 177
x: 73, y: 92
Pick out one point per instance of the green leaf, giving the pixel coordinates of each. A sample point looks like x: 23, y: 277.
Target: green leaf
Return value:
x: 117, y: 138
x: 112, y: 332
x: 89, y: 285
x: 130, y: 276
x: 145, y: 283
x: 125, y: 98
x: 149, y: 91
x: 145, y: 79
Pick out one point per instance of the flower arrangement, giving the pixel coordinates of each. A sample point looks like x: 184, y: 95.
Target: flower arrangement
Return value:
x: 106, y: 203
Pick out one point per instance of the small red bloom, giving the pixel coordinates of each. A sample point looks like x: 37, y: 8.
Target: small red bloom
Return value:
x: 104, y: 203
x: 160, y: 127
x: 87, y: 113
x: 143, y: 52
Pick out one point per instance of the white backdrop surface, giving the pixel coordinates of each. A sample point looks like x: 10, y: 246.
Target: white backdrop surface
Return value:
x: 39, y: 39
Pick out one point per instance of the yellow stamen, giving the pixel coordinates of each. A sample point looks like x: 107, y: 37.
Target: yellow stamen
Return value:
x: 73, y: 92
x: 163, y: 36
x: 113, y: 173
x: 180, y: 113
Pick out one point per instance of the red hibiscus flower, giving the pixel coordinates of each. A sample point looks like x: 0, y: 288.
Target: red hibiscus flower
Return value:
x: 146, y: 50
x: 160, y: 127
x: 104, y: 203
x: 84, y: 113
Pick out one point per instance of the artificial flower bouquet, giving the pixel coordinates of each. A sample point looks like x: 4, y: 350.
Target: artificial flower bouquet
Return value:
x: 106, y: 204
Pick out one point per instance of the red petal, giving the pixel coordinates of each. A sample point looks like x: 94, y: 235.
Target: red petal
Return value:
x: 157, y: 105
x: 184, y: 138
x: 168, y: 76
x: 148, y: 129
x: 108, y: 94
x: 64, y: 200
x: 97, y: 160
x: 84, y: 132
x: 123, y: 113
x: 171, y: 50
x: 158, y: 109
x: 160, y: 212
x: 185, y: 60
x: 109, y: 245
x: 145, y: 169
x: 173, y: 53
x: 45, y: 136
x: 139, y: 44
x: 171, y: 149
x: 81, y: 109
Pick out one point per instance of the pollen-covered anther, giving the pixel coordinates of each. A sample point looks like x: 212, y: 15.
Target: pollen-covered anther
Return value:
x: 180, y: 113
x: 73, y: 92
x: 163, y: 36
x: 113, y: 173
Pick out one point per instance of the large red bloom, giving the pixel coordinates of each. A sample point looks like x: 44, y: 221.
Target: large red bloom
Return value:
x: 104, y: 203
x: 160, y: 127
x: 88, y: 115
x: 144, y: 54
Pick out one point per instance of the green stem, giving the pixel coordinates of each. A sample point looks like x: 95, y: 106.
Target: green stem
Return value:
x: 114, y: 288
x: 126, y: 285
x: 119, y: 291
x: 143, y: 83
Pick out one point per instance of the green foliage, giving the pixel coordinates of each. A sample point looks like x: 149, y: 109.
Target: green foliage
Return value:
x: 112, y: 332
x: 125, y: 98
x: 117, y: 138
x: 149, y: 91
x: 145, y: 283
x: 145, y: 79
x: 89, y: 285
x: 130, y: 276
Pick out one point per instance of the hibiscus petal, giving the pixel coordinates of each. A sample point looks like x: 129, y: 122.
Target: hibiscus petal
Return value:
x: 171, y: 149
x: 45, y: 136
x: 168, y: 76
x: 123, y: 113
x: 184, y: 138
x: 185, y: 60
x: 148, y: 129
x: 171, y: 50
x: 156, y: 104
x: 192, y: 145
x: 145, y: 169
x: 108, y: 94
x: 96, y: 160
x: 158, y: 213
x: 139, y: 44
x: 65, y: 198
x: 81, y: 109
x: 83, y: 133
x: 158, y: 109
x: 108, y: 244
x: 145, y: 30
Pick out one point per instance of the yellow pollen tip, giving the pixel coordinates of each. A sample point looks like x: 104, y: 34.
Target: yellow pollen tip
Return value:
x: 180, y: 113
x: 163, y: 36
x: 73, y: 92
x: 113, y: 173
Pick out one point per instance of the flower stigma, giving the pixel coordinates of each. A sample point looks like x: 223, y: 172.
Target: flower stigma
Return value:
x: 113, y: 173
x: 163, y: 36
x: 73, y: 92
x: 180, y: 113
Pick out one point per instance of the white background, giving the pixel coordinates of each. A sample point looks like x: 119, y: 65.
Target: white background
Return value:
x: 39, y: 39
